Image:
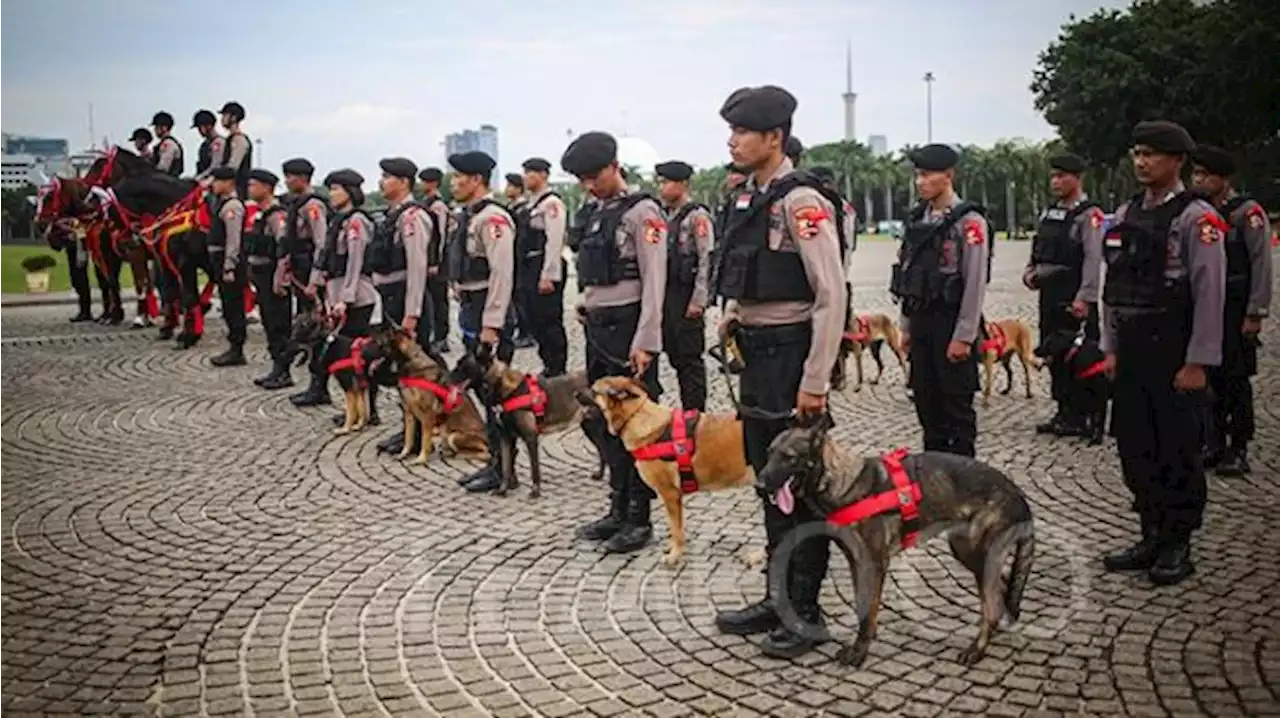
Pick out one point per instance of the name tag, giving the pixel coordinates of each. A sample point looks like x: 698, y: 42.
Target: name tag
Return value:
x: 744, y: 201
x: 1057, y: 214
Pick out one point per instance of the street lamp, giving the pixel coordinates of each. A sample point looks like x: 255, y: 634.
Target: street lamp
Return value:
x: 262, y: 157
x: 928, y: 85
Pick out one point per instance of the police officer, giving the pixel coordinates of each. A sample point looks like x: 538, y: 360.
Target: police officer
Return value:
x: 1248, y: 299
x: 781, y: 274
x: 437, y: 278
x: 62, y: 235
x: 690, y: 237
x: 1162, y: 317
x: 141, y: 139
x: 349, y: 294
x: 526, y: 273
x: 306, y: 226
x: 848, y: 223
x: 622, y: 263
x: 940, y: 280
x: 795, y: 150
x: 541, y: 252
x: 273, y: 300
x: 211, y: 142
x: 481, y: 265
x: 237, y: 148
x: 168, y: 152
x: 1065, y: 268
x: 226, y: 257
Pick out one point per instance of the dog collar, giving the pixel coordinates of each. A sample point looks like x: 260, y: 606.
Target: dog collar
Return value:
x: 904, y: 498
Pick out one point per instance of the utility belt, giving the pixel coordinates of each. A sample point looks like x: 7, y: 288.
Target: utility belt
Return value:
x: 609, y: 317
x: 755, y: 338
x: 257, y: 261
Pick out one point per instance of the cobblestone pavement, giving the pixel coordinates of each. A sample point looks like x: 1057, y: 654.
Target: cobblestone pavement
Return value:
x: 177, y: 542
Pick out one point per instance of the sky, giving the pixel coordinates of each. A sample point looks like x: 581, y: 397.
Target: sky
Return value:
x: 347, y: 83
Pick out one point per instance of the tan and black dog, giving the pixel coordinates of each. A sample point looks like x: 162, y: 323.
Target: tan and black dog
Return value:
x: 353, y: 362
x: 719, y: 460
x: 984, y: 514
x: 452, y: 416
x: 863, y: 332
x: 561, y: 407
x: 1004, y: 340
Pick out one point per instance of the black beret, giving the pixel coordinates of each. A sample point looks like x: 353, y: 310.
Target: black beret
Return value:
x: 515, y: 179
x: 203, y: 117
x: 759, y: 108
x: 589, y: 154
x: 1165, y: 137
x: 823, y: 173
x: 264, y: 176
x: 223, y: 173
x: 343, y: 178
x: 431, y: 174
x: 1067, y: 163
x: 934, y: 158
x: 162, y: 119
x: 794, y: 149
x: 298, y: 166
x: 1215, y: 160
x: 473, y: 163
x: 536, y: 164
x: 674, y: 170
x: 399, y: 167
x: 235, y: 109
x: 141, y: 133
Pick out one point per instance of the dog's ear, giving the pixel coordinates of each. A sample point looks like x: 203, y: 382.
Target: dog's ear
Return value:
x: 484, y: 353
x: 585, y: 397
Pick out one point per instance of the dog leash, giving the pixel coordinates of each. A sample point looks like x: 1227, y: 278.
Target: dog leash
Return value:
x: 610, y: 358
x: 750, y: 412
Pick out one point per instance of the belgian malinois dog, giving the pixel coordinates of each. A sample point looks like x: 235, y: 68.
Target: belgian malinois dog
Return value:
x: 460, y: 429
x: 1089, y: 387
x: 983, y: 513
x: 315, y: 331
x: 1004, y: 339
x: 719, y: 460
x: 869, y: 331
x: 495, y: 383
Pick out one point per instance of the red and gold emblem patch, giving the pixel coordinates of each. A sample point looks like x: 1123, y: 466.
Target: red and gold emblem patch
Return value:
x: 701, y: 227
x: 975, y: 232
x: 553, y: 210
x: 1257, y: 220
x: 1095, y: 218
x: 653, y: 230
x: 808, y: 221
x: 494, y: 226
x: 1209, y: 232
x: 313, y: 212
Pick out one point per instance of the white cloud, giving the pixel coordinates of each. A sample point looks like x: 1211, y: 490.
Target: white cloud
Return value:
x: 353, y: 119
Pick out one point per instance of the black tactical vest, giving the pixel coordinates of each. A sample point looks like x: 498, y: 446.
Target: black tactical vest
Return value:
x: 578, y: 225
x: 332, y: 262
x: 258, y: 242
x: 385, y: 253
x: 435, y: 246
x: 600, y: 260
x: 175, y: 169
x: 462, y: 266
x: 682, y: 260
x: 1239, y: 263
x: 204, y: 156
x: 917, y: 280
x: 246, y: 164
x: 748, y: 268
x: 293, y: 245
x: 1137, y: 251
x: 1053, y: 243
x: 530, y: 241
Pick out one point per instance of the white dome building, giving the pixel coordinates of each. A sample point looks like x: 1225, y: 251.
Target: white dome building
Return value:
x: 637, y: 153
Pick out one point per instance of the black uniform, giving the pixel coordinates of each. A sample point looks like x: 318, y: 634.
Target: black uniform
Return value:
x: 684, y: 338
x: 276, y: 311
x: 204, y: 155
x: 299, y: 250
x: 386, y: 255
x: 230, y: 292
x: 543, y: 313
x: 438, y: 284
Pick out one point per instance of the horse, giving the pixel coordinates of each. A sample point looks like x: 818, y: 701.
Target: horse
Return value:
x: 65, y: 209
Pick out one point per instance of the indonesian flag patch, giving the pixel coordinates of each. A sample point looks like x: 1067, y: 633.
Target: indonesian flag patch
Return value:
x: 808, y: 220
x: 653, y: 229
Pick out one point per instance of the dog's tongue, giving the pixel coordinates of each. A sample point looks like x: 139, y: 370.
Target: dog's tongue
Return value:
x: 784, y: 499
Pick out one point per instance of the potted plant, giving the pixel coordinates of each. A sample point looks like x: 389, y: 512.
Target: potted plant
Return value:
x: 37, y: 268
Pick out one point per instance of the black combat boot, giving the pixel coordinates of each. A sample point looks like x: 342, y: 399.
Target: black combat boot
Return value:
x: 1054, y: 424
x: 784, y: 643
x: 317, y: 393
x: 604, y: 528
x: 271, y: 374
x: 281, y: 378
x: 82, y: 316
x: 233, y: 356
x: 758, y: 617
x: 490, y: 477
x: 1234, y: 463
x: 1172, y: 563
x: 637, y: 531
x: 164, y: 334
x: 1138, y: 557
x: 440, y: 346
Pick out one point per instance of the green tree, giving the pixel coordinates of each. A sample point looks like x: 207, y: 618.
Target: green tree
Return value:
x: 18, y: 212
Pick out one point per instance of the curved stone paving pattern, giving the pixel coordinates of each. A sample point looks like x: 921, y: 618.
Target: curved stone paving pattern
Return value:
x: 178, y: 542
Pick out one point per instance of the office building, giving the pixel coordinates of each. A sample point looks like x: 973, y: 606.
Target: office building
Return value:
x: 484, y: 139
x: 879, y: 145
x: 40, y: 147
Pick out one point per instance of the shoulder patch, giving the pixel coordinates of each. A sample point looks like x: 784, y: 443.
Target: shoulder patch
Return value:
x: 653, y: 229
x: 975, y: 231
x: 808, y: 219
x: 1095, y: 217
x: 498, y: 219
x: 1210, y: 231
x: 313, y: 210
x: 701, y: 226
x: 1257, y: 217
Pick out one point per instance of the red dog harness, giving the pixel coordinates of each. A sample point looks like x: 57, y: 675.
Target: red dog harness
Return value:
x: 1090, y: 371
x: 863, y: 331
x: 904, y: 498
x: 355, y: 362
x: 533, y: 398
x: 451, y: 398
x: 676, y: 445
x: 997, y: 342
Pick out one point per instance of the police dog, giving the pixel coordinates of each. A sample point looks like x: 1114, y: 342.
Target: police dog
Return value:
x: 315, y: 331
x: 983, y: 513
x: 461, y: 431
x: 719, y: 460
x: 495, y: 382
x: 1089, y: 388
x: 868, y: 331
x: 1003, y: 340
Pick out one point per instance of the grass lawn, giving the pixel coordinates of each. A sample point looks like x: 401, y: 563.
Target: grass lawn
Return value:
x: 13, y: 281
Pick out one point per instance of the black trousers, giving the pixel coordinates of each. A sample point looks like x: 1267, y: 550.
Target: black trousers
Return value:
x: 684, y: 342
x: 393, y: 298
x: 775, y: 359
x: 196, y: 259
x: 544, y: 317
x: 470, y: 322
x: 438, y: 288
x: 79, y: 277
x: 231, y: 294
x: 1055, y: 303
x: 169, y: 289
x: 943, y: 390
x: 276, y: 311
x: 610, y: 331
x: 1231, y: 418
x: 300, y: 265
x: 526, y: 290
x: 1157, y: 428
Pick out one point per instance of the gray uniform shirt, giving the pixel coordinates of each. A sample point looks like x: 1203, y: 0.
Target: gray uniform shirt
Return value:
x: 353, y: 288
x: 551, y: 217
x: 964, y: 250
x: 1251, y: 220
x: 491, y: 235
x: 642, y: 234
x: 232, y: 214
x: 696, y: 229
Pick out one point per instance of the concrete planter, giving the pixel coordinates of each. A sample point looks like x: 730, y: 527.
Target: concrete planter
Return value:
x: 37, y: 282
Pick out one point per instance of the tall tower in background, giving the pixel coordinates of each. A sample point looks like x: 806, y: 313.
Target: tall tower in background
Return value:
x: 850, y: 97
